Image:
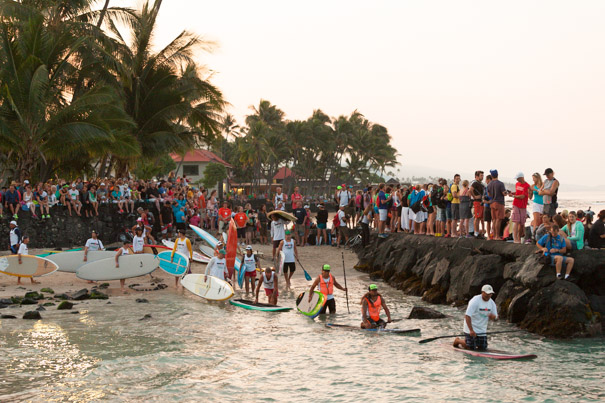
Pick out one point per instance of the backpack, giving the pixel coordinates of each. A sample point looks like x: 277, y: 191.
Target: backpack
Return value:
x: 336, y: 221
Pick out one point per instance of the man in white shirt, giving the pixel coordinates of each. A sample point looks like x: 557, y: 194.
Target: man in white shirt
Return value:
x: 217, y: 267
x: 138, y: 241
x: 481, y: 308
x: 278, y: 232
x: 280, y: 200
x: 74, y: 193
x: 14, y: 237
x: 342, y: 226
x: 23, y: 250
x: 93, y: 244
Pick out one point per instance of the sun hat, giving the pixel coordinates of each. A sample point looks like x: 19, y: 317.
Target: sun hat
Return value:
x: 487, y: 289
x: 519, y: 175
x: 326, y: 267
x: 222, y: 252
x: 373, y: 287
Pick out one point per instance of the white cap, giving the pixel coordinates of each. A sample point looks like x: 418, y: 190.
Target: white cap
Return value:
x: 487, y: 289
x: 26, y: 181
x: 139, y: 219
x: 248, y: 247
x: 102, y: 184
x: 73, y: 185
x: 519, y: 175
x: 14, y: 222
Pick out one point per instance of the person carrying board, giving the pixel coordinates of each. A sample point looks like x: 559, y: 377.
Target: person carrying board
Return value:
x: 123, y: 251
x: 249, y: 264
x: 481, y: 308
x: 217, y: 267
x: 288, y: 246
x: 23, y: 250
x: 269, y: 281
x: 326, y: 283
x: 371, y: 304
x: 182, y: 245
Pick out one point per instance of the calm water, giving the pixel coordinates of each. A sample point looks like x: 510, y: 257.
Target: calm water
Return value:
x: 194, y: 350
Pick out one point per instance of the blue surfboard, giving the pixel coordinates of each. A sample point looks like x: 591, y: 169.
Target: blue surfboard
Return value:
x: 177, y: 267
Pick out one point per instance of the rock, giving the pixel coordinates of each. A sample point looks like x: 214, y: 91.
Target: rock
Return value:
x: 511, y: 270
x: 40, y: 308
x: 108, y: 302
x: 32, y: 315
x: 2, y: 306
x: 33, y: 295
x: 597, y: 303
x: 142, y: 301
x: 16, y: 300
x: 48, y: 304
x: 533, y: 274
x: 28, y: 301
x: 65, y: 305
x: 8, y: 317
x: 505, y: 296
x: 80, y: 295
x: 420, y: 312
x: 6, y: 301
x: 47, y: 290
x: 62, y: 296
x: 467, y: 278
x: 517, y: 310
x: 98, y: 295
x: 146, y: 317
x: 104, y: 285
x: 74, y: 312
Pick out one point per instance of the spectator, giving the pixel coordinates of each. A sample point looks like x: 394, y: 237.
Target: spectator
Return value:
x: 224, y: 216
x: 538, y: 203
x: 74, y: 195
x: 212, y: 208
x: 42, y: 200
x: 455, y: 190
x: 549, y: 191
x: 240, y: 219
x: 299, y: 227
x: 342, y: 227
x: 263, y: 223
x: 14, y: 237
x: 102, y: 194
x: 296, y: 197
x: 521, y: 197
x: 439, y: 201
x: 574, y: 231
x: 118, y: 199
x: 553, y: 246
x: 29, y: 201
x: 92, y: 199
x: 250, y: 224
x: 477, y: 192
x: 544, y: 227
x: 307, y: 224
x: 596, y: 237
x: 166, y: 221
x: 383, y: 210
x: 279, y: 201
x: 322, y: 224
x: 465, y: 209
x: 12, y: 201
x: 496, y: 192
x: 487, y: 211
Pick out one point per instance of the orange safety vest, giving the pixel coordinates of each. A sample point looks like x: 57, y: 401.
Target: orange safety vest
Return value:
x: 374, y: 308
x: 326, y: 290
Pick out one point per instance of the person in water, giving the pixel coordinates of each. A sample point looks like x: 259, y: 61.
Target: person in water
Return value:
x: 217, y: 267
x: 249, y: 264
x: 288, y: 246
x: 269, y: 281
x: 371, y: 304
x: 481, y: 308
x: 182, y: 245
x: 326, y: 283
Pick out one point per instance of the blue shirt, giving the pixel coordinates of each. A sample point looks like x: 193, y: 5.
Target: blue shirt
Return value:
x: 538, y: 199
x: 161, y: 190
x: 381, y: 198
x: 179, y: 216
x: 548, y: 242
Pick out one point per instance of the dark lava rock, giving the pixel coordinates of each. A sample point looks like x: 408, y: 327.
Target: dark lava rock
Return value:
x: 32, y: 315
x: 6, y: 301
x: 80, y: 295
x: 142, y: 301
x: 16, y: 300
x: 33, y: 295
x: 8, y: 317
x: 28, y: 301
x: 74, y: 312
x: 2, y: 306
x: 597, y: 303
x: 420, y: 312
x: 47, y: 290
x: 48, y: 304
x: 146, y: 317
x: 104, y: 285
x: 65, y: 305
x: 40, y: 308
x: 108, y: 302
x: 98, y: 295
x: 62, y: 296
x: 517, y: 310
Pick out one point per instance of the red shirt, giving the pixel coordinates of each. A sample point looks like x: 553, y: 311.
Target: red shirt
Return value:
x: 225, y: 213
x: 202, y: 201
x: 240, y: 219
x: 521, y: 189
x: 296, y: 197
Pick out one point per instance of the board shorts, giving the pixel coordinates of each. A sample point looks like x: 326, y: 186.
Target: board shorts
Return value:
x: 550, y: 209
x: 269, y: 292
x: 478, y: 209
x: 276, y: 243
x: 14, y: 249
x: 250, y: 274
x: 448, y: 212
x: 519, y: 215
x: 291, y: 266
x: 487, y: 213
x: 342, y: 231
x: 552, y: 259
x: 441, y: 214
x: 331, y: 305
x: 538, y: 208
x: 383, y: 212
x: 455, y: 211
x: 241, y: 232
x: 321, y: 225
x: 420, y: 217
x: 497, y: 211
x: 475, y: 343
x: 377, y: 323
x: 300, y: 229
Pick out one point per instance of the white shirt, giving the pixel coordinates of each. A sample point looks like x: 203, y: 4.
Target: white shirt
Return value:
x: 138, y: 242
x: 279, y: 202
x: 278, y: 231
x: 23, y: 250
x: 217, y: 268
x: 288, y: 249
x: 94, y: 244
x: 181, y: 247
x: 478, y: 310
x: 250, y: 262
x: 14, y: 238
x: 269, y: 283
x: 344, y: 196
x: 367, y: 217
x: 342, y: 218
x: 74, y: 194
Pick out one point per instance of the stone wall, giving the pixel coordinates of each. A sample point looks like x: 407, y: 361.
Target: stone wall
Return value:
x: 527, y: 293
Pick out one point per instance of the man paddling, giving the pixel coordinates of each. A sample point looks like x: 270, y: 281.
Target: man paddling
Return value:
x: 182, y: 245
x: 269, y: 281
x: 481, y: 308
x: 326, y: 283
x: 371, y: 304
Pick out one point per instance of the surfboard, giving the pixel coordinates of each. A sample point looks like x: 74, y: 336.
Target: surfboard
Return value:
x: 150, y: 249
x: 231, y: 247
x: 130, y: 266
x: 377, y: 330
x: 177, y: 267
x: 207, y: 251
x: 496, y: 354
x: 52, y: 252
x: 209, y: 239
x: 31, y: 266
x: 280, y: 263
x: 71, y: 261
x: 197, y: 257
x: 310, y: 309
x: 213, y: 288
x: 247, y: 304
x: 282, y: 214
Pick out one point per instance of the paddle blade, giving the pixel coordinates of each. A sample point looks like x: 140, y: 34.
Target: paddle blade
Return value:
x: 307, y: 276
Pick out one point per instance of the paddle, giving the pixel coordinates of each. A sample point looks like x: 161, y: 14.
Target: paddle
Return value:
x: 345, y: 276
x: 307, y: 276
x: 460, y: 335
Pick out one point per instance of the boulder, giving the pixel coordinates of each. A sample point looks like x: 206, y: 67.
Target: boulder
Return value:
x: 65, y: 305
x: 28, y: 301
x: 32, y: 315
x: 16, y: 300
x: 511, y: 270
x: 142, y: 301
x: 62, y: 296
x: 467, y: 278
x: 146, y: 317
x: 505, y: 296
x: 534, y: 274
x: 33, y: 295
x: 421, y: 312
x: 80, y: 295
x: 6, y: 301
x: 518, y: 308
x: 98, y: 295
x: 597, y: 303
x: 47, y: 290
x: 48, y: 304
x: 8, y: 317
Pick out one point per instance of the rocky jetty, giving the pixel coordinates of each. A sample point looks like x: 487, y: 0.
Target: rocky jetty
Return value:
x: 451, y: 271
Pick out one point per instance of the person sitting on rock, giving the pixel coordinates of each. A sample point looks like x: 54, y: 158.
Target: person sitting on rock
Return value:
x: 553, y: 245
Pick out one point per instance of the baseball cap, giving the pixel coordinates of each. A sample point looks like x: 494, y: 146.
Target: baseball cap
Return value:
x: 248, y: 247
x: 487, y: 289
x: 219, y: 243
x: 222, y: 252
x: 372, y: 287
x: 14, y: 222
x: 519, y: 175
x: 93, y: 231
x: 320, y: 205
x: 139, y: 219
x: 102, y: 184
x: 288, y: 232
x: 338, y: 187
x: 26, y: 182
x: 306, y: 206
x: 494, y: 172
x: 73, y: 185
x: 548, y: 171
x: 326, y: 267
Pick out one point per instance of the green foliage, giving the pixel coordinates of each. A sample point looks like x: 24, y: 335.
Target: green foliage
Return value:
x: 214, y: 174
x: 154, y: 167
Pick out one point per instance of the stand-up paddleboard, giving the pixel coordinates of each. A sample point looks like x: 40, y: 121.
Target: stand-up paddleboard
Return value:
x: 231, y: 247
x: 209, y: 239
x: 52, y: 252
x: 71, y: 261
x: 130, y: 266
x: 150, y: 249
x: 207, y: 251
x: 282, y: 214
x: 310, y: 309
x: 213, y: 288
x: 176, y: 265
x: 247, y: 304
x: 376, y: 330
x: 280, y: 262
x: 31, y: 266
x: 496, y: 354
x: 197, y: 257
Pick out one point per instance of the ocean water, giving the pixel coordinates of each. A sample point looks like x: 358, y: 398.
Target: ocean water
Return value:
x: 192, y: 350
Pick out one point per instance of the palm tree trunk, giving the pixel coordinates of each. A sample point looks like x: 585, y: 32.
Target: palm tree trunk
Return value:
x: 103, y: 12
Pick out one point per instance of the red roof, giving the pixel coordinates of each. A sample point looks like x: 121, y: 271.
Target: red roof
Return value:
x: 200, y: 156
x: 283, y: 173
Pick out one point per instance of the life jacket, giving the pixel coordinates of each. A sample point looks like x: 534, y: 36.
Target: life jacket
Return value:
x: 326, y: 290
x: 374, y: 308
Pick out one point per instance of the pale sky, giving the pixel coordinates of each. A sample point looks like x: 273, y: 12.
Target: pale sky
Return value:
x: 460, y: 85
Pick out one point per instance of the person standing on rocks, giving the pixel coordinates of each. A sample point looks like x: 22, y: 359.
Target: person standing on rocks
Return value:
x: 549, y: 192
x: 477, y: 191
x: 521, y: 196
x: 481, y: 308
x: 496, y: 192
x: 326, y: 283
x: 371, y: 304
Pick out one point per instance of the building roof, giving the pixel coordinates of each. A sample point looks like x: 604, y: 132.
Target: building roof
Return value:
x: 198, y: 155
x: 283, y: 173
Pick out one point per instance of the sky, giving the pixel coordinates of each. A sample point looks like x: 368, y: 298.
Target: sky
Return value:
x: 460, y: 85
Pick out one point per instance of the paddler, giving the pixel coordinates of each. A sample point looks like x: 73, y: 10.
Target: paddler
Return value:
x: 124, y: 250
x: 371, y: 303
x: 249, y: 264
x: 481, y: 308
x: 288, y: 246
x: 269, y: 281
x: 217, y: 267
x: 326, y: 282
x: 182, y: 245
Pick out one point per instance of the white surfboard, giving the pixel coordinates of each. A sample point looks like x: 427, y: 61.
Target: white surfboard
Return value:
x: 31, y: 266
x: 207, y: 250
x: 72, y: 261
x: 197, y: 257
x: 130, y: 266
x: 213, y: 289
x: 280, y: 262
